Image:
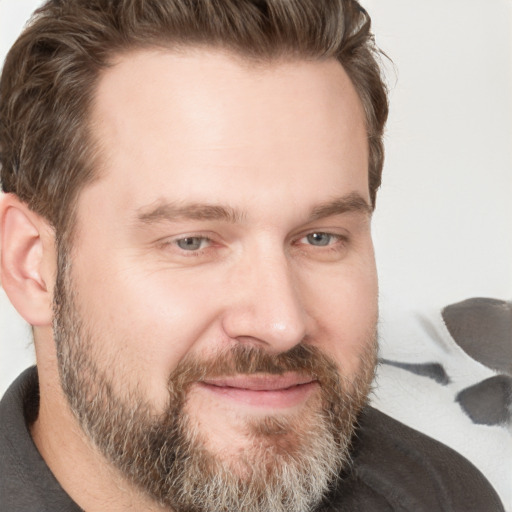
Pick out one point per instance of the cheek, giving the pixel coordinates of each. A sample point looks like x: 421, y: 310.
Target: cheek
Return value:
x: 142, y: 324
x: 345, y: 312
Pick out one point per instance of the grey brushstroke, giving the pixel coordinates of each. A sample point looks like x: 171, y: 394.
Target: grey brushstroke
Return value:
x: 489, y: 402
x: 432, y: 331
x: 483, y: 329
x: 433, y: 371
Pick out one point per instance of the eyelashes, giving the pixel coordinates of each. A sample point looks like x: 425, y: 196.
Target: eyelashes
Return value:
x: 192, y: 243
x: 314, y: 243
x: 322, y: 239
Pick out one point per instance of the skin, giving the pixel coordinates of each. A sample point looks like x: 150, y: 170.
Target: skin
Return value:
x: 281, y: 148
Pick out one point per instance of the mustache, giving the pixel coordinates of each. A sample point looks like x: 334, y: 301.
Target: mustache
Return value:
x: 243, y: 359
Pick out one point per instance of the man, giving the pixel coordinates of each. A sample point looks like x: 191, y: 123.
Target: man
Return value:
x: 187, y: 229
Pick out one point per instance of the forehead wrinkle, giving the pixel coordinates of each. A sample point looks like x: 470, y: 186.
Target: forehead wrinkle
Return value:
x: 173, y: 211
x: 348, y: 203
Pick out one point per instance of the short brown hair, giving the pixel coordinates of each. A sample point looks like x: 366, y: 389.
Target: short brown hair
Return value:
x: 50, y: 73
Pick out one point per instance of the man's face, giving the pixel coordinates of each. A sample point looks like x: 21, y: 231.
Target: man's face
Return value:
x: 222, y: 270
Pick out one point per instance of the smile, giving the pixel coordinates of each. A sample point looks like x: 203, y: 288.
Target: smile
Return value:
x: 262, y: 390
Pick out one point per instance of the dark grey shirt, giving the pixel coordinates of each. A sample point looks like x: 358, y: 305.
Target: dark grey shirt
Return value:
x: 395, y: 468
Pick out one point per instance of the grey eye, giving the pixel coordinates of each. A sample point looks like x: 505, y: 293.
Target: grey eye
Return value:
x: 192, y: 243
x: 319, y: 239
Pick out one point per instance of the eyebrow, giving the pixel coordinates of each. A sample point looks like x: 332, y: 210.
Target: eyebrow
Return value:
x: 169, y: 211
x: 350, y: 203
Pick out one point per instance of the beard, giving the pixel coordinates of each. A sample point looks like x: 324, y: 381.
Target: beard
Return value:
x: 290, y: 462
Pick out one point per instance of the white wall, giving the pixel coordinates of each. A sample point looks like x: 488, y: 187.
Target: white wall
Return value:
x: 444, y: 218
x: 443, y: 228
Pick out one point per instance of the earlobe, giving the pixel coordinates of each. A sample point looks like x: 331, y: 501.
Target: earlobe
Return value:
x: 25, y: 251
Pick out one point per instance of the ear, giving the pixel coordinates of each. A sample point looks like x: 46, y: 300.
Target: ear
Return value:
x: 27, y: 260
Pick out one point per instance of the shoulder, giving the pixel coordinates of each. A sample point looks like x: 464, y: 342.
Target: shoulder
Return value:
x: 396, y: 468
x: 26, y: 482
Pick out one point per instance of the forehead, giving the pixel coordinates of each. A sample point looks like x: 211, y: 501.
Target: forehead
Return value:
x: 171, y: 122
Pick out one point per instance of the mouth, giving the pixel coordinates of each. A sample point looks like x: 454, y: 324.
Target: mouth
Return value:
x: 263, y: 390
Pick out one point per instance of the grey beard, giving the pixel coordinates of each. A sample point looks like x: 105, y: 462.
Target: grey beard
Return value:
x: 266, y: 480
x: 290, y: 464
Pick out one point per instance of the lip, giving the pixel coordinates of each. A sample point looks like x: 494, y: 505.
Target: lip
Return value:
x: 263, y: 390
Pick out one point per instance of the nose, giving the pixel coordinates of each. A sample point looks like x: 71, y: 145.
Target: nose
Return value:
x: 265, y: 307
